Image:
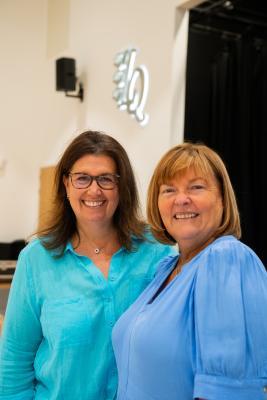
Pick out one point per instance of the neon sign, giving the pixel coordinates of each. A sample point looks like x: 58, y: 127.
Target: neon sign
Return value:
x: 132, y: 85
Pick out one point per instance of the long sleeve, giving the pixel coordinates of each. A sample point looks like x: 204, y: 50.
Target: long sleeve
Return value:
x: 231, y: 324
x: 21, y: 337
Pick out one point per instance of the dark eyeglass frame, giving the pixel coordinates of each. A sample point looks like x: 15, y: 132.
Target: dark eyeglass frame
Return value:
x: 96, y: 178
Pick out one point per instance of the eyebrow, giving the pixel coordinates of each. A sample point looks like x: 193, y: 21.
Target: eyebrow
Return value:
x: 86, y: 173
x: 199, y: 178
x: 190, y: 181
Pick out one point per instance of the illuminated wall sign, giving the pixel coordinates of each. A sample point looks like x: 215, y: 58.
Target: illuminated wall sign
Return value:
x: 132, y: 85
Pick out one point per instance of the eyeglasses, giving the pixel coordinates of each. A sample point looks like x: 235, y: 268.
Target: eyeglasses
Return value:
x: 83, y: 181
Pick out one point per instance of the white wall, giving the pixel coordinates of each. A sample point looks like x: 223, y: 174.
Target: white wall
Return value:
x: 37, y: 122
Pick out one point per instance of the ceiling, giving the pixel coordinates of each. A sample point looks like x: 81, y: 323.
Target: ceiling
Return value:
x: 238, y: 16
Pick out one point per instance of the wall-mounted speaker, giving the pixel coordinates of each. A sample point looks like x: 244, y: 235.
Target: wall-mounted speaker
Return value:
x: 65, y: 74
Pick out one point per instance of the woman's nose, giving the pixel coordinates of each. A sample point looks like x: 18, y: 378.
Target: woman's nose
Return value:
x: 182, y: 199
x: 94, y: 188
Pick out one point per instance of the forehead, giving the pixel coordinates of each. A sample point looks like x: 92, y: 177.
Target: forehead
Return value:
x: 92, y: 162
x: 179, y: 162
x: 191, y: 174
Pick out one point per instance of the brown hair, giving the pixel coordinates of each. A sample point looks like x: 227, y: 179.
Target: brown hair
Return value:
x: 127, y: 218
x: 207, y: 162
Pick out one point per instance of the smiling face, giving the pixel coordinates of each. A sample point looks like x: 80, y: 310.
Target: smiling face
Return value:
x: 93, y: 204
x: 191, y: 209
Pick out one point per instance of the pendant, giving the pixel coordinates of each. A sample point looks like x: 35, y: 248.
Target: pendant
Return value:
x: 97, y: 250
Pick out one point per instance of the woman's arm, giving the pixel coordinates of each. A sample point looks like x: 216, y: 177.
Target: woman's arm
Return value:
x: 231, y: 324
x: 21, y: 337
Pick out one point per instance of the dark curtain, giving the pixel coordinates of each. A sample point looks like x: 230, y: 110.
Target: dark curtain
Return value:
x: 226, y: 108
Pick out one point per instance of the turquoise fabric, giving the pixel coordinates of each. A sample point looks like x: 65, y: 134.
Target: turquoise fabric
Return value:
x: 203, y: 336
x: 56, y: 342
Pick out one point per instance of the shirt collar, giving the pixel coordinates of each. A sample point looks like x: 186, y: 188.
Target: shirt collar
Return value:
x: 68, y: 247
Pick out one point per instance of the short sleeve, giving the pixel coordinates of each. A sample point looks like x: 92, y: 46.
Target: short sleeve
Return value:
x: 21, y: 337
x: 230, y: 324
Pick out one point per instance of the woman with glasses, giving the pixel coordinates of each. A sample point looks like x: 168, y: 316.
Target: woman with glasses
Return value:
x: 74, y: 281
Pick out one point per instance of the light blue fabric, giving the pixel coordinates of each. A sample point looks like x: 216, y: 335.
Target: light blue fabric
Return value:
x: 56, y: 342
x: 204, y: 335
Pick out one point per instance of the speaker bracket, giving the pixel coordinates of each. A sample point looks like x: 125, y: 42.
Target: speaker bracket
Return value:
x: 78, y: 95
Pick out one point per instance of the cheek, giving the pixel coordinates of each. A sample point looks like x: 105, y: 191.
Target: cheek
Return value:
x: 164, y: 209
x: 161, y: 208
x: 217, y: 211
x: 220, y: 213
x: 114, y: 199
x: 72, y: 194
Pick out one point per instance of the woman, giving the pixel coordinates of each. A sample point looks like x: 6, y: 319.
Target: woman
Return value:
x: 74, y: 281
x: 199, y: 329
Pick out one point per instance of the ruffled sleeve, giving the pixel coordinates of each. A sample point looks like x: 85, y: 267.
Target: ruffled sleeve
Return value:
x: 230, y: 323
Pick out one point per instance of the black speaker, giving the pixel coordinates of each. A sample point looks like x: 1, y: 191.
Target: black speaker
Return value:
x: 11, y: 250
x: 65, y: 74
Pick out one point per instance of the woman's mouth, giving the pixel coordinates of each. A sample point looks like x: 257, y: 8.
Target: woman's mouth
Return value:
x: 94, y: 204
x: 187, y: 215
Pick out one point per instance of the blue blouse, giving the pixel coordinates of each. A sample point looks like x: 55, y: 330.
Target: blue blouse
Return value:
x: 56, y: 342
x: 203, y: 336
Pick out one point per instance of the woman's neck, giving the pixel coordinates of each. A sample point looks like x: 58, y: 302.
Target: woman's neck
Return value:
x: 97, y: 239
x: 189, y: 252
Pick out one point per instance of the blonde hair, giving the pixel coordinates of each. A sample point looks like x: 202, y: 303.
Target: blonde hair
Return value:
x: 205, y: 161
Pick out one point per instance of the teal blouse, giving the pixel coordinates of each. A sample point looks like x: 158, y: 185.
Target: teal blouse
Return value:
x: 56, y: 341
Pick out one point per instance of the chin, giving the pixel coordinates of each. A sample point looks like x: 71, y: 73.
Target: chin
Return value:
x: 188, y: 235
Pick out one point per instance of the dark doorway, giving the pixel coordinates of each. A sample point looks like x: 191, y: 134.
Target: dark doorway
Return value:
x: 226, y: 101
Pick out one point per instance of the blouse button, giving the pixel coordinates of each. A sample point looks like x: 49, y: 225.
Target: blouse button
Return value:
x: 265, y: 389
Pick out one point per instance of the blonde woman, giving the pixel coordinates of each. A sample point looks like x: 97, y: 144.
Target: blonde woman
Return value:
x: 199, y: 329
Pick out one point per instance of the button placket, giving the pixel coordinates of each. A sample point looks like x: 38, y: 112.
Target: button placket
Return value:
x: 109, y: 306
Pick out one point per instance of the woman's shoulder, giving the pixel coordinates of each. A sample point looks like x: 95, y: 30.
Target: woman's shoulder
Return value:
x: 34, y: 249
x: 152, y: 248
x: 32, y: 246
x: 229, y: 243
x: 32, y: 259
x: 228, y: 254
x: 229, y: 246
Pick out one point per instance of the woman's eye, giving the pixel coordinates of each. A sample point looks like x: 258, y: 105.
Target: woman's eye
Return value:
x: 197, y: 187
x: 105, y: 179
x: 167, y: 190
x: 83, y: 178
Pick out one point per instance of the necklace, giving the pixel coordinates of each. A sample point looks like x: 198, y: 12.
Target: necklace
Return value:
x: 87, y: 246
x: 97, y: 250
